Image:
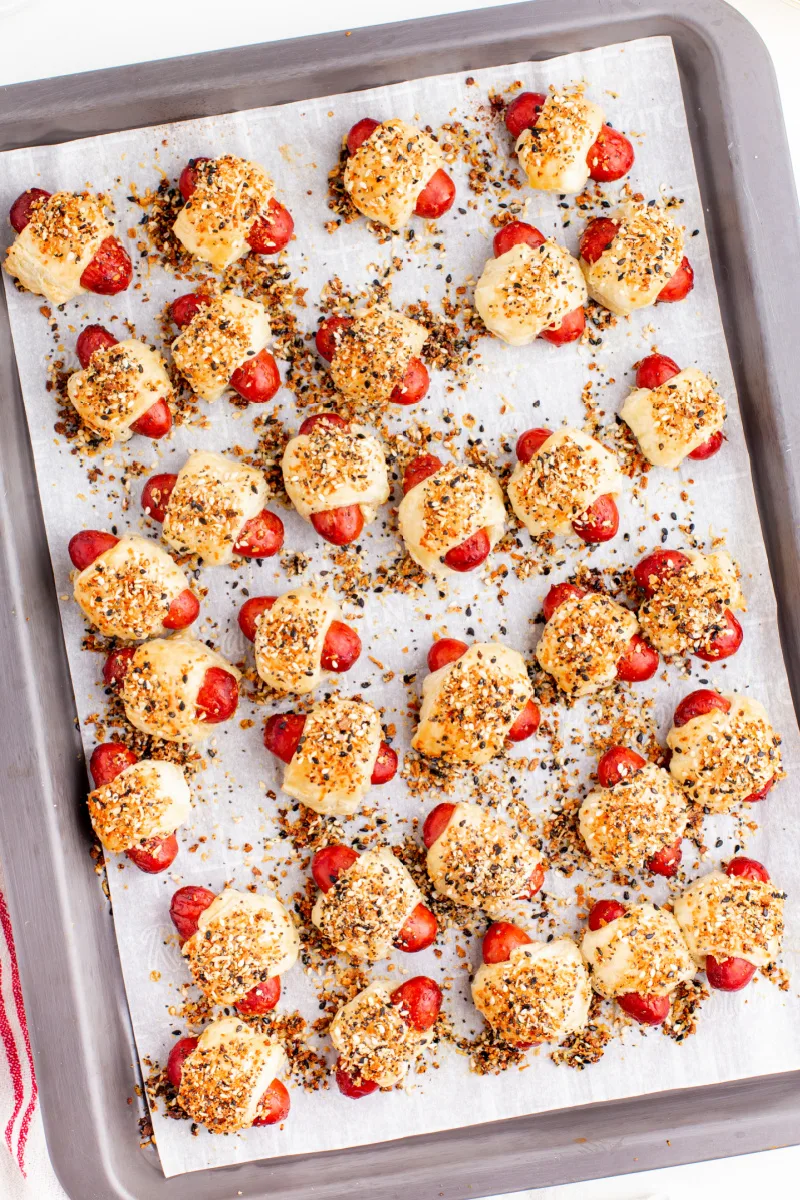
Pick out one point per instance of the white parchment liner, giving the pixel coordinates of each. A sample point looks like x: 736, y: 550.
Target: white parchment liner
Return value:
x: 753, y: 1033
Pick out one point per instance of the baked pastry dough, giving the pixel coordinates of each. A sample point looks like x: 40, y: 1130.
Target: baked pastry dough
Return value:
x: 642, y: 951
x: 160, y: 689
x: 333, y: 466
x: 372, y: 354
x: 219, y: 339
x: 646, y: 252
x: 127, y: 591
x: 119, y: 385
x: 367, y: 905
x: 242, y: 939
x: 689, y: 606
x: 583, y: 641
x: 529, y: 289
x: 212, y: 501
x: 554, y: 154
x: 445, y: 509
x: 290, y: 637
x: 64, y: 233
x: 230, y: 194
x: 227, y: 1073
x: 672, y: 420
x: 722, y: 758
x: 540, y: 994
x: 480, y: 861
x: 626, y: 825
x: 469, y: 706
x: 389, y: 171
x: 563, y: 478
x: 149, y: 799
x: 332, y: 767
x: 375, y: 1043
x: 729, y: 916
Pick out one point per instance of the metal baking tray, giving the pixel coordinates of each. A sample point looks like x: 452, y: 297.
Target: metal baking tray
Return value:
x: 75, y: 1000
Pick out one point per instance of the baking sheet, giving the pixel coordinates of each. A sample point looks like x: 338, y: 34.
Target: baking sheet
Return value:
x: 513, y: 390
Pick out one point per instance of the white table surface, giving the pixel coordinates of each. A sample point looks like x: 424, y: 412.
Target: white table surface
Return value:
x: 96, y: 39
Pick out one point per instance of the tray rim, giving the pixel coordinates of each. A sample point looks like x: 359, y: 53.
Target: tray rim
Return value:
x: 45, y: 771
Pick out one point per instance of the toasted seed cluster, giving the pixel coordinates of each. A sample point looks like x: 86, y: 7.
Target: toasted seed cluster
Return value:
x: 230, y: 193
x: 722, y: 758
x: 584, y: 640
x: 689, y: 608
x: 367, y: 906
x: 625, y: 825
x: 374, y: 1041
x: 373, y: 353
x: 128, y: 809
x: 642, y: 951
x: 729, y: 916
x: 482, y: 862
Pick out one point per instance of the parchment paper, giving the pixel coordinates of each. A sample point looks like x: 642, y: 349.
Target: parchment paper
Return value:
x: 753, y: 1033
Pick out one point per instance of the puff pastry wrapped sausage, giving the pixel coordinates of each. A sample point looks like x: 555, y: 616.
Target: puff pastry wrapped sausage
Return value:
x: 689, y: 602
x: 635, y: 259
x: 450, y: 516
x: 65, y: 245
x: 298, y: 638
x: 123, y: 387
x: 394, y: 171
x: 674, y: 414
x: 374, y: 356
x: 227, y: 1079
x: 214, y: 507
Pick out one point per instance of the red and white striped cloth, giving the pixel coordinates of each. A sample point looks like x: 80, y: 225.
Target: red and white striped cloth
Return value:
x: 25, y: 1170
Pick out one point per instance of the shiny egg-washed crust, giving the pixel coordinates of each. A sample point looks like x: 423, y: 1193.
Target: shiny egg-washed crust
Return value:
x: 212, y: 501
x: 554, y: 153
x: 721, y: 758
x: 64, y: 233
x: 565, y: 476
x: 373, y: 353
x: 729, y: 916
x: 642, y: 951
x: 528, y: 289
x: 688, y: 608
x: 147, y: 800
x: 367, y: 905
x: 290, y: 637
x: 445, y: 510
x: 645, y: 253
x: 469, y: 706
x: 481, y: 861
x: 389, y: 171
x: 119, y: 385
x: 227, y: 1073
x: 332, y: 767
x: 540, y: 994
x: 221, y: 337
x: 242, y: 939
x: 127, y: 591
x: 375, y: 1043
x: 672, y: 420
x: 627, y: 824
x: 230, y: 194
x: 161, y: 686
x: 331, y: 467
x: 583, y: 641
